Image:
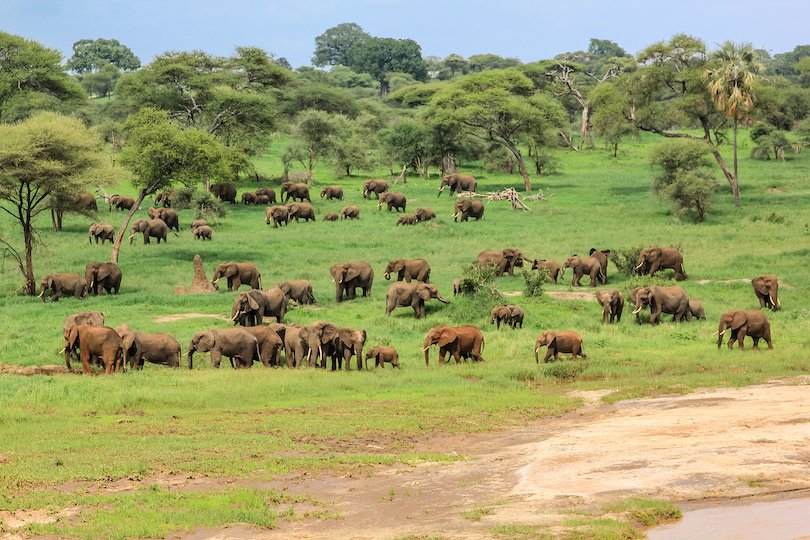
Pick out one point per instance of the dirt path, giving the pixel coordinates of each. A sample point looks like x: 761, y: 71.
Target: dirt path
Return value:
x: 724, y: 443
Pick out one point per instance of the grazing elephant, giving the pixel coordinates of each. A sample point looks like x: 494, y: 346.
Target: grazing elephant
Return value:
x: 299, y: 290
x: 168, y: 216
x: 249, y: 308
x: 270, y: 344
x: 248, y: 197
x: 424, y: 214
x: 750, y: 322
x: 394, y: 199
x: 457, y: 286
x: 154, y: 348
x: 102, y: 275
x: 332, y: 192
x: 96, y: 342
x: 154, y: 228
x: 551, y: 266
x: 61, y: 285
x: 100, y: 231
x: 198, y: 223
x: 766, y: 287
x: 301, y: 210
x: 601, y: 255
x: 373, y: 188
x: 407, y: 219
x: 270, y: 193
x: 349, y: 276
x: 91, y: 318
x: 238, y: 273
x: 262, y: 199
x: 696, y: 310
x: 166, y: 198
x: 124, y: 203
x: 350, y: 212
x: 654, y: 259
x: 505, y: 260
x: 460, y: 341
x: 588, y: 265
x: 295, y: 348
x: 468, y: 208
x: 612, y: 301
x: 224, y: 191
x: 235, y: 343
x: 277, y: 215
x: 294, y: 192
x: 381, y: 355
x: 558, y: 342
x: 458, y: 183
x: 203, y: 231
x: 402, y: 294
x: 409, y: 269
x: 331, y: 216
x: 663, y: 300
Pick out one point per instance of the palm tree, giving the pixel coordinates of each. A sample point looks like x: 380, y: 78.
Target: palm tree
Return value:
x: 731, y: 86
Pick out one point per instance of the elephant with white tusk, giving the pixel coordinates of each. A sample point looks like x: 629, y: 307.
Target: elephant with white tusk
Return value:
x: 672, y: 300
x: 752, y: 322
x: 414, y: 294
x: 766, y: 287
x: 652, y: 259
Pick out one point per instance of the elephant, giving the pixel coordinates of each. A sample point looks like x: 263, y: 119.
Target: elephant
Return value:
x: 92, y: 318
x: 61, y: 285
x: 121, y: 202
x: 612, y: 301
x: 277, y: 215
x: 466, y: 341
x: 198, y: 223
x: 112, y: 200
x: 551, y: 266
x: 238, y: 273
x: 583, y: 266
x: 500, y: 314
x: 505, y: 260
x: 166, y: 198
x: 457, y: 286
x: 750, y: 322
x: 349, y: 276
x: 332, y: 192
x: 101, y: 342
x: 407, y: 219
x: 424, y: 214
x: 655, y: 258
x: 235, y: 343
x: 373, y: 188
x: 301, y: 210
x: 249, y: 308
x: 766, y: 287
x: 270, y: 193
x: 299, y: 290
x: 409, y: 269
x: 102, y: 275
x: 248, y: 197
x: 696, y: 310
x: 601, y: 255
x: 467, y: 208
x: 263, y: 199
x: 270, y: 344
x: 350, y: 342
x: 517, y: 316
x: 154, y: 228
x: 154, y: 348
x: 458, y: 183
x: 381, y: 355
x: 558, y: 342
x: 168, y: 216
x: 331, y: 216
x: 224, y: 191
x: 350, y: 212
x: 402, y: 294
x: 393, y: 199
x: 100, y: 231
x: 325, y: 339
x: 295, y: 348
x: 82, y: 203
x: 203, y: 231
x: 663, y: 300
x: 294, y: 192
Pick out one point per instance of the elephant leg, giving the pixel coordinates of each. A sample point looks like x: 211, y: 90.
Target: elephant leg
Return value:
x: 216, y: 358
x: 756, y: 342
x: 442, y: 353
x: 741, y: 337
x: 549, y: 353
x: 654, y: 267
x: 762, y: 303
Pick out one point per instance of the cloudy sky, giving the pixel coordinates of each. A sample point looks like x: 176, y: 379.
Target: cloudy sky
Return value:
x: 525, y: 29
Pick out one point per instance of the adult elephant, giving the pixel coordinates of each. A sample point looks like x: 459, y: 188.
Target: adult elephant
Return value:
x: 248, y: 197
x: 61, y: 285
x: 583, y: 266
x: 393, y: 199
x: 91, y: 318
x: 656, y: 258
x: 558, y: 342
x: 326, y: 340
x: 270, y: 193
x: 301, y: 210
x: 766, y: 287
x: 270, y: 344
x: 238, y: 274
x: 505, y: 260
x: 96, y: 342
x: 250, y: 308
x: 468, y: 208
x: 140, y: 347
x: 350, y: 212
x: 102, y: 275
x: 332, y: 192
x: 408, y: 269
x: 673, y: 300
x: 349, y: 276
x: 154, y: 228
x: 299, y: 290
x: 123, y: 202
x: 166, y: 198
x: 295, y: 348
x: 224, y: 191
x: 402, y: 294
x: 235, y: 343
x: 551, y: 266
x: 168, y: 215
x: 458, y: 183
x: 100, y: 231
x: 612, y: 302
x: 459, y: 341
x: 277, y: 215
x: 295, y: 192
x: 424, y: 214
x: 750, y: 322
x: 601, y: 255
x: 373, y: 188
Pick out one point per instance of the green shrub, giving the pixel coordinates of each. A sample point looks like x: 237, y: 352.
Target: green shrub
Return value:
x: 625, y: 259
x: 535, y: 281
x: 685, y: 176
x: 203, y: 202
x: 565, y: 371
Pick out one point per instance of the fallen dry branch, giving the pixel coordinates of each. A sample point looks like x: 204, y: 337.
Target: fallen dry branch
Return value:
x: 509, y: 194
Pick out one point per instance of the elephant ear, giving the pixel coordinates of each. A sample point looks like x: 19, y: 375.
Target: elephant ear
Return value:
x: 284, y: 286
x: 423, y: 292
x: 738, y: 319
x: 447, y: 337
x: 510, y: 253
x: 352, y: 272
x: 206, y: 341
x: 230, y: 270
x: 654, y: 254
x: 51, y: 283
x: 103, y: 272
x: 760, y: 286
x: 73, y: 336
x: 553, y: 343
x: 329, y: 332
x: 252, y: 303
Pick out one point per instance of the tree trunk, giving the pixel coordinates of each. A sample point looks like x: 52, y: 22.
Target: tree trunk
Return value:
x: 736, y: 176
x: 30, y: 282
x: 125, y: 225
x: 584, y: 134
x: 527, y: 183
x: 732, y: 180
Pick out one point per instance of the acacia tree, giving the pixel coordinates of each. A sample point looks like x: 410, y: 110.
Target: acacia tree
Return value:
x: 48, y: 154
x: 93, y: 54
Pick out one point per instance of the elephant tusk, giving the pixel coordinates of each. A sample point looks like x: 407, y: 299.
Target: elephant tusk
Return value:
x: 636, y: 311
x: 425, y: 349
x: 41, y: 294
x: 63, y: 351
x: 771, y: 299
x: 639, y: 265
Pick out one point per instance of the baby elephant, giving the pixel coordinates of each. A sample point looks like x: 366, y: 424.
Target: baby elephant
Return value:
x: 350, y: 212
x: 382, y: 355
x: 331, y: 216
x: 203, y: 231
x: 612, y: 302
x: 558, y: 342
x: 407, y: 219
x: 696, y: 310
x: 457, y: 286
x: 508, y: 314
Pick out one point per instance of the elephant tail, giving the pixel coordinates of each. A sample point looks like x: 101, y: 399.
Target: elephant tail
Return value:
x: 482, y: 343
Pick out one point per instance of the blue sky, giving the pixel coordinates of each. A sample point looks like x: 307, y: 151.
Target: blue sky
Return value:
x: 529, y: 30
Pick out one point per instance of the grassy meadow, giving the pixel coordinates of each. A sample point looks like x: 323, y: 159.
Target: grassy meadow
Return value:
x: 61, y: 434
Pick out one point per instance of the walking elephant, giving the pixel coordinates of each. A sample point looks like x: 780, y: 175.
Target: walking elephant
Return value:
x: 154, y: 228
x: 458, y: 183
x: 277, y: 215
x: 100, y: 231
x: 332, y: 193
x: 168, y: 215
x: 250, y: 308
x: 601, y: 255
x: 350, y: 276
x: 551, y: 266
x: 102, y: 275
x: 224, y: 191
x: 583, y: 266
x: 424, y: 214
x: 510, y: 315
x: 91, y: 318
x: 612, y: 301
x: 235, y: 343
x: 248, y: 197
x: 766, y: 287
x: 140, y: 347
x: 468, y: 208
x: 751, y: 322
x: 654, y: 259
x: 299, y: 290
x: 203, y: 232
x: 505, y: 260
x: 373, y: 188
x: 296, y: 349
x: 381, y: 355
x: 402, y: 294
x: 238, y: 274
x: 295, y: 192
x: 121, y: 202
x: 350, y: 212
x: 61, y: 285
x: 663, y: 300
x: 407, y: 219
x: 393, y: 199
x: 409, y: 269
x: 331, y: 216
x: 301, y: 210
x: 558, y: 342
x: 100, y: 342
x: 459, y: 341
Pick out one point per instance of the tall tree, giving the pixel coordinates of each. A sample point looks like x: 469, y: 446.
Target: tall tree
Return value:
x: 93, y: 54
x: 379, y: 57
x: 48, y: 154
x: 731, y: 78
x: 333, y: 46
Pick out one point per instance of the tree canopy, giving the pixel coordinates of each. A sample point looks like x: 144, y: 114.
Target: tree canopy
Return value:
x: 93, y: 54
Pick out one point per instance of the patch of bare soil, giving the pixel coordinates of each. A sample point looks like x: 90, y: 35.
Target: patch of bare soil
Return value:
x: 510, y: 294
x: 774, y: 190
x: 571, y: 295
x: 21, y: 518
x: 181, y: 316
x: 723, y: 281
x: 10, y: 369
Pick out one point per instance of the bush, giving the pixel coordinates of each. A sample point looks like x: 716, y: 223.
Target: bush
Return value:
x: 535, y: 281
x: 626, y: 259
x: 685, y: 176
x: 565, y: 371
x: 201, y: 201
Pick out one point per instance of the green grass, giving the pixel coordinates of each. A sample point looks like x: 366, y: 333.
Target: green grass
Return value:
x: 476, y: 513
x: 58, y: 429
x: 646, y: 512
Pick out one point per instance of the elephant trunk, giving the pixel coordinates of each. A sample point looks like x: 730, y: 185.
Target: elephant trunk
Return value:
x: 190, y: 356
x: 387, y: 275
x: 537, y: 354
x: 426, y: 350
x: 441, y: 299
x: 131, y: 238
